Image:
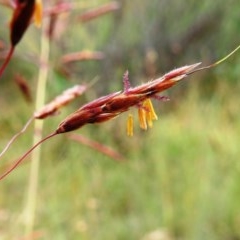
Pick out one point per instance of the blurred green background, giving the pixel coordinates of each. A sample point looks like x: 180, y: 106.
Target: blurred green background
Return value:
x: 181, y: 179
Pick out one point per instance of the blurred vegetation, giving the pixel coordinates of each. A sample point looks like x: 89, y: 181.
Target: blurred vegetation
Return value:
x: 181, y: 179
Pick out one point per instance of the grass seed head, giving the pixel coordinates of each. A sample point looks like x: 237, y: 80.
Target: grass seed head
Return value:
x: 66, y: 97
x: 21, y: 18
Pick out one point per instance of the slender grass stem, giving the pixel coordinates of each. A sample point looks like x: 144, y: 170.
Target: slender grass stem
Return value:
x: 12, y: 140
x: 25, y: 155
x: 32, y: 188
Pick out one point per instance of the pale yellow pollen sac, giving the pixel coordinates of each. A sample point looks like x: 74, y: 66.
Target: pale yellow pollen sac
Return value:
x: 142, y: 118
x: 130, y: 125
x: 150, y: 113
x: 37, y: 16
x: 146, y: 114
x: 149, y: 119
x: 149, y: 106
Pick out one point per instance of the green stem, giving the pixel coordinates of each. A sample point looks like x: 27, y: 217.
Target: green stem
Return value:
x: 38, y: 129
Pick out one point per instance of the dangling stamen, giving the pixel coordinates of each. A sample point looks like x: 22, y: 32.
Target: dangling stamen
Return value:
x: 37, y: 15
x: 151, y: 115
x: 142, y: 118
x: 130, y: 125
x: 146, y: 114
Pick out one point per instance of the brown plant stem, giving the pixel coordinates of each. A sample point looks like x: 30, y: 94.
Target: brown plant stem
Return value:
x: 8, y: 58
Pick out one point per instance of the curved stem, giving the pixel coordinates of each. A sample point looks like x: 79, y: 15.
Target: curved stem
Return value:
x: 7, y: 60
x: 16, y: 136
x: 216, y: 63
x: 25, y: 155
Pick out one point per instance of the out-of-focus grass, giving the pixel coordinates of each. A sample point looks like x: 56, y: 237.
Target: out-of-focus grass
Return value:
x: 181, y: 177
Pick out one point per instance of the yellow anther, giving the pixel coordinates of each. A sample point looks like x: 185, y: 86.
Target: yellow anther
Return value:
x: 142, y: 118
x: 130, y: 125
x: 37, y: 16
x: 149, y: 108
x: 146, y: 114
x: 150, y: 113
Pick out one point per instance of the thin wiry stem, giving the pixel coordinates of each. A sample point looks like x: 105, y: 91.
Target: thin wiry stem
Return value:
x: 216, y: 63
x: 25, y: 155
x: 38, y: 128
x: 16, y: 136
x: 7, y: 60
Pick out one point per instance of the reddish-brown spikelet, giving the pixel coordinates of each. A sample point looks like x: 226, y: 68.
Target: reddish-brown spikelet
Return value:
x: 168, y: 80
x: 24, y: 87
x: 60, y: 101
x: 110, y: 106
x: 85, y: 55
x: 99, y: 11
x: 21, y: 18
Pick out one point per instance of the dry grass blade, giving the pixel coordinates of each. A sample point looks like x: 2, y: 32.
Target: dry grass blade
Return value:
x: 85, y: 55
x: 99, y: 11
x: 97, y: 146
x: 23, y: 86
